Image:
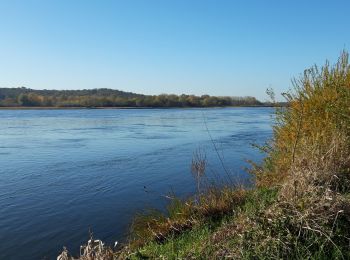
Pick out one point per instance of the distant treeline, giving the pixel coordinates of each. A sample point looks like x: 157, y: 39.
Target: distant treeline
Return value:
x: 17, y: 97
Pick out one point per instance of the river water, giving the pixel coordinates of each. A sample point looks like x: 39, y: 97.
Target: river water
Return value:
x: 64, y: 172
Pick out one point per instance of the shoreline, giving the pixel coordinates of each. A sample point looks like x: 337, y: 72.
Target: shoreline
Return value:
x: 77, y: 108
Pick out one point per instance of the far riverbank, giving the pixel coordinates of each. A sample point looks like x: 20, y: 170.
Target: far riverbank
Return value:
x: 59, y: 108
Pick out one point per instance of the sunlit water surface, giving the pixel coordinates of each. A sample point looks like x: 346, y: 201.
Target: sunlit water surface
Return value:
x: 63, y: 172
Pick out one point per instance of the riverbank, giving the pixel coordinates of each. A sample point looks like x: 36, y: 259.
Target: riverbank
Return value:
x: 102, y: 97
x: 300, y: 205
x: 62, y: 108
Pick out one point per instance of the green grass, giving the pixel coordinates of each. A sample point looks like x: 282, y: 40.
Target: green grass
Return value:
x: 196, y: 243
x: 191, y: 243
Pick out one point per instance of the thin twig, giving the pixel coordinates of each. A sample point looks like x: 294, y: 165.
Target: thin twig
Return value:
x: 216, y: 149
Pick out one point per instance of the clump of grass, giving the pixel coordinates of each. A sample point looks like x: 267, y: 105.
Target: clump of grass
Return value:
x: 93, y: 250
x: 202, y: 241
x: 183, y: 215
x: 309, y: 218
x: 308, y: 163
x: 198, y: 166
x: 318, y: 109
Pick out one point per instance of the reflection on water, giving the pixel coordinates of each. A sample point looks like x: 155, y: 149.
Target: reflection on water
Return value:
x: 65, y: 171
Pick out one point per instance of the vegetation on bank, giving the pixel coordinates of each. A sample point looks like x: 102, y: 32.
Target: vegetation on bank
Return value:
x: 299, y: 207
x: 25, y: 97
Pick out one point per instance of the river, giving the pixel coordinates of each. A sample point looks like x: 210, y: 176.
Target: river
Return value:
x: 63, y: 172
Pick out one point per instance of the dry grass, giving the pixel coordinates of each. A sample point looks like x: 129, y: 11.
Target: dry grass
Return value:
x: 300, y: 208
x: 309, y: 163
x: 93, y: 250
x: 318, y: 109
x: 183, y: 215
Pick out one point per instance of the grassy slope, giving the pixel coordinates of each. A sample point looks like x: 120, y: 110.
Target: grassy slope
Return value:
x: 204, y: 240
x: 300, y: 207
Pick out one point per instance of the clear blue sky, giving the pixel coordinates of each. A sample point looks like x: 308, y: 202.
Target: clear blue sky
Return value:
x: 162, y: 46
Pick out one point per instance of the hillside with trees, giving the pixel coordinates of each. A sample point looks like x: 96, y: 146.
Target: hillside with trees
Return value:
x: 25, y: 97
